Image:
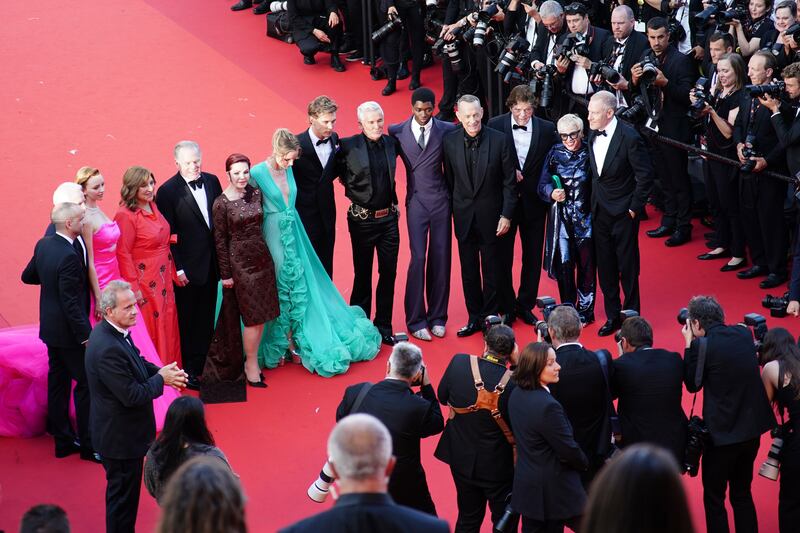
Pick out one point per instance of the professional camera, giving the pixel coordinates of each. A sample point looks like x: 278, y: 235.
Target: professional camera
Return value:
x: 794, y: 31
x: 319, y: 490
x: 776, y: 304
x: 718, y: 12
x: 649, y: 69
x: 277, y: 6
x: 575, y: 43
x: 697, y: 436
x: 542, y: 83
x: 759, y: 326
x: 774, y: 89
x: 450, y: 49
x: 701, y: 99
x: 683, y: 316
x: 677, y: 33
x: 433, y: 27
x: 624, y: 315
x: 747, y: 152
x: 772, y: 466
x: 546, y: 304
x: 394, y: 24
x: 636, y: 114
x: 430, y: 4
x: 484, y: 18
x: 513, y: 55
x: 509, y: 520
x: 606, y: 72
x: 491, y: 321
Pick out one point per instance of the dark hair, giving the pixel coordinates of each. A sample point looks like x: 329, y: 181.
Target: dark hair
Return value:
x: 706, y: 310
x: 532, y: 360
x: 236, y: 158
x: 500, y: 340
x: 656, y: 23
x: 640, y: 490
x: 44, y: 518
x: 637, y: 331
x: 791, y: 71
x: 780, y: 345
x: 722, y: 36
x: 738, y: 67
x: 185, y: 423
x: 423, y: 94
x: 520, y: 94
x: 133, y: 179
x: 790, y: 5
x: 203, y: 497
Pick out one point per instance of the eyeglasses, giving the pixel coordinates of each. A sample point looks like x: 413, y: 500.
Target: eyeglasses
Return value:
x: 571, y: 136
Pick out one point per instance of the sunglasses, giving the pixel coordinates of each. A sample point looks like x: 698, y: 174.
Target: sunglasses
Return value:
x: 575, y: 9
x: 571, y: 136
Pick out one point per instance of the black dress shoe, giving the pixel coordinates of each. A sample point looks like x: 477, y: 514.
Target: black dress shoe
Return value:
x: 415, y: 83
x: 391, y: 87
x: 752, y: 272
x: 731, y: 268
x: 470, y: 329
x: 403, y: 72
x: 527, y: 316
x: 336, y: 63
x: 387, y: 339
x: 509, y: 318
x: 661, y: 231
x: 192, y: 383
x: 309, y: 60
x: 66, y: 451
x: 772, y: 281
x: 587, y: 319
x: 241, y: 5
x: 710, y: 256
x: 608, y: 328
x: 678, y: 237
x: 92, y: 456
x: 261, y: 8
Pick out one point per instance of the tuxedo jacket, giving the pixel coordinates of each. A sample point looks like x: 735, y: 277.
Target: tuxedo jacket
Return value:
x: 517, y: 21
x: 539, y: 52
x: 543, y: 138
x: 766, y: 140
x: 635, y: 47
x: 194, y: 252
x: 63, y: 296
x: 627, y: 175
x: 315, y: 200
x: 368, y: 513
x: 123, y: 386
x: 735, y: 405
x: 682, y: 74
x: 649, y: 385
x: 352, y: 167
x: 302, y: 14
x: 473, y: 444
x: 787, y: 129
x: 495, y: 190
x: 598, y: 37
x: 547, y: 483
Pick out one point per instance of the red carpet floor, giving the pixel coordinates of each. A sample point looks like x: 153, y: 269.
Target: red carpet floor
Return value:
x: 116, y: 83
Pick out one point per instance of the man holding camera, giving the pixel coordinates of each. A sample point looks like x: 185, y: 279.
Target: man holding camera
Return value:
x: 623, y: 51
x: 315, y: 24
x: 735, y: 409
x: 544, y: 53
x: 408, y: 416
x: 411, y: 15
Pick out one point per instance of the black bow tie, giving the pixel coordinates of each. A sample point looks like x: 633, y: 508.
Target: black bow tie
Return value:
x: 518, y: 127
x: 323, y: 141
x: 196, y: 184
x: 601, y: 132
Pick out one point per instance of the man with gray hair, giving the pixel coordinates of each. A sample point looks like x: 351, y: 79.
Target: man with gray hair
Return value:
x: 408, y: 416
x: 360, y: 455
x: 366, y: 166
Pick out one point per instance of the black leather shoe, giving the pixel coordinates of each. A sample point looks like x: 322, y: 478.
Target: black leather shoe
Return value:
x: 358, y: 55
x: 387, y: 339
x: 752, y: 272
x: 679, y: 237
x: 336, y: 63
x: 241, y: 5
x: 309, y: 60
x: 193, y: 383
x: 710, y: 256
x: 470, y: 329
x: 772, y: 281
x: 261, y: 8
x: 609, y: 328
x: 92, y: 456
x: 527, y: 316
x: 509, y: 319
x: 661, y: 231
x: 391, y: 87
x: 415, y: 83
x: 403, y: 72
x: 587, y: 319
x: 731, y: 268
x: 68, y: 450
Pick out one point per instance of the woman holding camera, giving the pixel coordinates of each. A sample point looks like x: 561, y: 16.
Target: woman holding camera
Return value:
x: 722, y: 180
x: 781, y: 377
x: 566, y: 184
x: 756, y: 30
x: 547, y: 490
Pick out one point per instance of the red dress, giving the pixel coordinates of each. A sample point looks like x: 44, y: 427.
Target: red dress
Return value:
x: 145, y: 261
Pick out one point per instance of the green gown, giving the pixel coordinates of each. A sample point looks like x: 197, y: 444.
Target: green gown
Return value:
x: 327, y: 332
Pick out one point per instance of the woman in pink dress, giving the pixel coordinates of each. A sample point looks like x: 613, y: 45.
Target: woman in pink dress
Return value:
x: 145, y: 260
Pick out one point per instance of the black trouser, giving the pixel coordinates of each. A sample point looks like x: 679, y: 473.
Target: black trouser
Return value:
x: 447, y: 102
x: 479, y: 272
x: 762, y: 216
x: 722, y: 189
x: 549, y: 526
x: 123, y: 484
x: 729, y: 465
x: 65, y: 365
x: 196, y: 308
x: 414, y: 24
x: 671, y: 165
x: 617, y: 254
x: 310, y: 45
x: 409, y: 487
x: 322, y: 239
x: 581, y: 291
x: 381, y: 235
x: 472, y: 495
x: 789, y: 495
x: 354, y: 24
x: 531, y: 233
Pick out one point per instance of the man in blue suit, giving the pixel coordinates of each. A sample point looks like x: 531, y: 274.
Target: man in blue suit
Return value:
x: 428, y: 209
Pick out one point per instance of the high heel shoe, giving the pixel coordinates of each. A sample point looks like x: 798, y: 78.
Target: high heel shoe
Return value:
x: 292, y: 356
x: 257, y: 384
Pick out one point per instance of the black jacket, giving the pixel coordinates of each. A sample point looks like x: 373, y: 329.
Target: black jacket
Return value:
x: 635, y: 46
x: 787, y: 128
x: 352, y: 167
x: 766, y: 140
x: 302, y: 13
x: 735, y: 405
x: 681, y: 73
x: 64, y: 296
x: 123, y: 386
x: 649, y: 385
x: 598, y: 37
x: 315, y: 199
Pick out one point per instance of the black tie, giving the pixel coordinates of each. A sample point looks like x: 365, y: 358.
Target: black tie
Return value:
x: 323, y: 141
x: 518, y: 127
x: 421, y: 140
x: 196, y: 184
x: 129, y: 339
x: 601, y: 132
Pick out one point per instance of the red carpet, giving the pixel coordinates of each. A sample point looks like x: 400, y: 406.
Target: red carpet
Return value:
x: 112, y: 84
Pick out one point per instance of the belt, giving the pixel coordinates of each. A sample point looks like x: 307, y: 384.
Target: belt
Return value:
x: 356, y: 211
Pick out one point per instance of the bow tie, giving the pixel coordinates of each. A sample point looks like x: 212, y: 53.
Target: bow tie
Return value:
x: 322, y: 141
x: 601, y: 132
x: 196, y: 184
x: 518, y: 127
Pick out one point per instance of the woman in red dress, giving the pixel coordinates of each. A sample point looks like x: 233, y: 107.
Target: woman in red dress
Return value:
x: 145, y: 260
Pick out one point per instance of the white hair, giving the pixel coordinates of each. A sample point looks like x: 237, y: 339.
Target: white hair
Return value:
x: 551, y: 8
x: 368, y: 107
x: 406, y: 360
x: 360, y: 447
x: 187, y: 144
x: 108, y: 299
x: 68, y: 192
x: 569, y: 123
x: 608, y: 100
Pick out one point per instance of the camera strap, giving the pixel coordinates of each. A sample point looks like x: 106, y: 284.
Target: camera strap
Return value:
x: 702, y: 346
x: 603, y: 356
x: 360, y: 398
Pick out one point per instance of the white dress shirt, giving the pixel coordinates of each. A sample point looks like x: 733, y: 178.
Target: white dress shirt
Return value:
x: 200, y: 197
x: 324, y: 150
x: 530, y: 32
x: 522, y: 140
x: 580, y: 81
x: 551, y: 44
x: 121, y: 330
x: 600, y: 145
x: 416, y: 129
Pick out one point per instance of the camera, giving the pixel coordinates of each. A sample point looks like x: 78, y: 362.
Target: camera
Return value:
x: 774, y: 89
x: 776, y: 304
x: 606, y: 72
x: 394, y: 24
x: 431, y: 3
x: 491, y: 321
x: 624, y: 315
x: 546, y: 304
x: 677, y: 33
x: 636, y: 114
x: 542, y: 84
x: 277, y: 6
x: 450, y: 49
x: 485, y: 15
x: 701, y: 99
x: 509, y: 520
x: 683, y: 316
x: 747, y: 152
x: 421, y: 377
x: 771, y: 467
x: 649, y: 69
x: 697, y: 435
x: 575, y: 43
x: 513, y: 55
x: 319, y: 489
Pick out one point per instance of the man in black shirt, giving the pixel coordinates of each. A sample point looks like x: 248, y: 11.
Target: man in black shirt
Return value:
x: 315, y: 24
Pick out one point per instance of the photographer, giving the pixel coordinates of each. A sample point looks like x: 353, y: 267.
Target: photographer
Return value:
x: 524, y: 18
x: 781, y: 377
x: 761, y: 198
x: 623, y: 50
x: 649, y: 383
x: 756, y: 30
x: 408, y: 416
x: 719, y: 45
x: 411, y: 15
x: 784, y: 119
x: 315, y: 24
x: 785, y: 47
x: 722, y: 181
x: 544, y: 53
x: 675, y: 75
x: 735, y: 409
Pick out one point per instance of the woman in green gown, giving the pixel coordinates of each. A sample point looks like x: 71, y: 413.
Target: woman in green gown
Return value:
x: 314, y: 320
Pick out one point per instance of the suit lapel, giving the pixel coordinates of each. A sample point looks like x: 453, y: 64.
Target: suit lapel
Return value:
x: 463, y: 172
x: 535, y: 137
x: 209, y: 199
x: 592, y: 160
x: 133, y: 353
x: 188, y: 198
x: 613, y: 147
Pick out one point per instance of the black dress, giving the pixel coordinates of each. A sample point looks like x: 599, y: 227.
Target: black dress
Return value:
x: 789, y: 496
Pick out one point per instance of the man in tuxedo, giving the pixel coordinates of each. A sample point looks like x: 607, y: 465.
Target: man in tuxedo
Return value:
x: 544, y: 53
x: 314, y: 172
x: 529, y: 139
x: 366, y: 166
x: 735, y: 409
x: 409, y: 418
x: 480, y: 175
x: 427, y: 213
x: 58, y: 268
x: 480, y: 456
x: 582, y: 388
x: 784, y: 117
x: 525, y: 19
x: 649, y: 383
x: 623, y: 50
x: 622, y: 176
x: 185, y: 200
x: 676, y: 77
x: 123, y: 386
x: 315, y: 25
x: 71, y: 193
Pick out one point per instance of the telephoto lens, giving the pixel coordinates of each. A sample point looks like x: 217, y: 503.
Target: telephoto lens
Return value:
x: 277, y: 5
x: 319, y: 490
x: 772, y: 466
x: 381, y: 33
x: 683, y: 316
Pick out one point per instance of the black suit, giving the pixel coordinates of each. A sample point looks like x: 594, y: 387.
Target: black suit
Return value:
x: 480, y: 458
x: 307, y: 15
x: 597, y: 39
x: 623, y: 185
x: 368, y: 513
x: 529, y: 215
x: 315, y: 202
x: 737, y: 413
x: 409, y: 417
x: 64, y: 327
x: 123, y: 385
x: 480, y: 196
x: 195, y: 254
x: 547, y: 483
x: 635, y: 45
x: 787, y: 128
x: 649, y: 385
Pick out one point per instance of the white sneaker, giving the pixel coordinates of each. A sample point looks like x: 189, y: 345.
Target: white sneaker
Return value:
x: 438, y: 331
x: 422, y: 334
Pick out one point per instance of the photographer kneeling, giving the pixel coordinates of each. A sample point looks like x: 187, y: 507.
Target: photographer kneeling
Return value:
x: 315, y: 24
